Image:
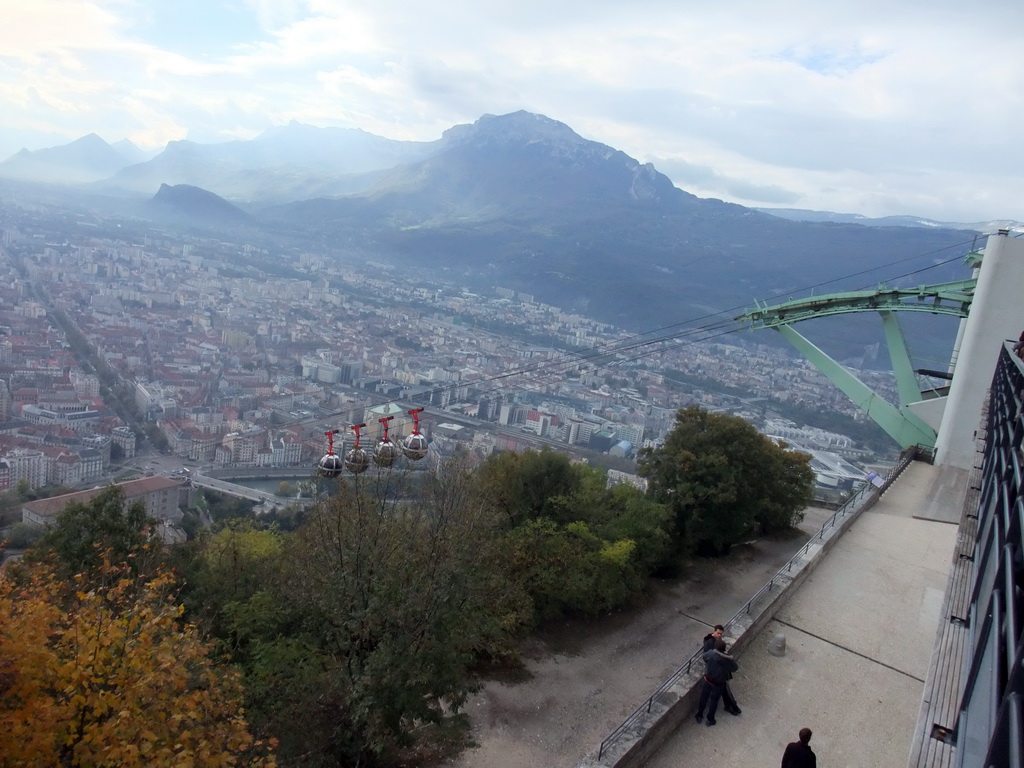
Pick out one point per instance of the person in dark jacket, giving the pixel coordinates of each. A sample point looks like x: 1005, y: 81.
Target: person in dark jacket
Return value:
x: 718, y: 669
x: 798, y: 754
x: 728, y: 699
x: 714, y: 640
x: 713, y: 636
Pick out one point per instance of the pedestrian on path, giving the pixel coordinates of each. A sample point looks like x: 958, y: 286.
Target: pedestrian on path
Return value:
x: 798, y: 754
x: 728, y: 699
x: 715, y: 640
x: 719, y: 668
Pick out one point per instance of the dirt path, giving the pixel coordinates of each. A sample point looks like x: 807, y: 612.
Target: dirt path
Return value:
x: 582, y: 679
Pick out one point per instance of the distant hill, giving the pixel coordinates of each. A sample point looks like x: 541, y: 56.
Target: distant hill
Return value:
x: 87, y: 159
x: 132, y: 153
x: 522, y: 202
x: 802, y: 214
x: 191, y: 205
x: 292, y: 162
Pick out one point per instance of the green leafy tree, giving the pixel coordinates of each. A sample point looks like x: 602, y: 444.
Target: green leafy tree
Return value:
x: 626, y: 513
x: 85, y: 531
x: 225, y: 570
x: 22, y: 535
x: 564, y: 526
x: 223, y: 507
x: 724, y: 481
x: 789, y: 489
x: 361, y: 628
x: 525, y: 486
x: 567, y: 570
x: 233, y: 589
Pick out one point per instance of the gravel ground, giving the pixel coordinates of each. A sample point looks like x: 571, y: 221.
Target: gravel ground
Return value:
x: 583, y: 678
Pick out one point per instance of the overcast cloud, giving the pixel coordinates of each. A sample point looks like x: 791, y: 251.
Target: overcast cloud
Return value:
x: 860, y: 106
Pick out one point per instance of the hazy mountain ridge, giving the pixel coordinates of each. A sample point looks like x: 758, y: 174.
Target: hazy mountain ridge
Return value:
x: 299, y: 162
x: 192, y: 205
x: 518, y: 166
x: 84, y: 160
x: 306, y: 161
x: 803, y: 214
x: 523, y: 202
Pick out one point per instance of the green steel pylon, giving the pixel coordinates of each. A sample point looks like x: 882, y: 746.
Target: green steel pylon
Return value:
x: 900, y: 423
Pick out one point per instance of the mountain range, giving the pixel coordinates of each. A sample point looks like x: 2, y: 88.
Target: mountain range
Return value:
x: 83, y: 160
x: 517, y: 201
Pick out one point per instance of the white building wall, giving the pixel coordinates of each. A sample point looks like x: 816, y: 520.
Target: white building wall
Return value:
x: 28, y: 465
x: 997, y: 314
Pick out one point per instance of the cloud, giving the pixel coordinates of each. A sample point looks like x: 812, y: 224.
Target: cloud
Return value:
x: 709, y: 182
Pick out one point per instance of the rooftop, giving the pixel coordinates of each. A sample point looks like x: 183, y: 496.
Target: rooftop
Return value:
x: 133, y: 488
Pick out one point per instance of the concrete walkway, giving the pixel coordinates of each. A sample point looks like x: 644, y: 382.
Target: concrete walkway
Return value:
x: 582, y: 678
x: 859, y: 635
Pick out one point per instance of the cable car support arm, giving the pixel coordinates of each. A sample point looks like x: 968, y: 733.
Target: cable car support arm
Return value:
x: 953, y: 298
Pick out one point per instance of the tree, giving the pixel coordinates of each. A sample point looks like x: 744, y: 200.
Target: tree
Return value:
x: 225, y: 569
x: 525, y: 486
x: 724, y: 480
x: 625, y: 513
x: 85, y: 531
x: 400, y: 599
x: 576, y: 546
x: 104, y: 674
x: 568, y: 570
x: 790, y: 489
x: 223, y: 507
x: 22, y: 535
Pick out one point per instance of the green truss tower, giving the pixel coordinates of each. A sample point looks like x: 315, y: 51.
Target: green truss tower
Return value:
x: 910, y: 423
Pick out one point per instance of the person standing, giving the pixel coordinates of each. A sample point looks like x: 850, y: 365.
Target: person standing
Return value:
x: 728, y: 699
x: 719, y: 668
x: 714, y: 640
x: 798, y: 754
x: 713, y: 637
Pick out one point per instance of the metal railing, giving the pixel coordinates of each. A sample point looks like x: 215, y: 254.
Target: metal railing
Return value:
x: 990, y: 724
x: 865, y: 491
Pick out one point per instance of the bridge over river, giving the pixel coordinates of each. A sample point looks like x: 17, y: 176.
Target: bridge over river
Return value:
x: 242, y: 491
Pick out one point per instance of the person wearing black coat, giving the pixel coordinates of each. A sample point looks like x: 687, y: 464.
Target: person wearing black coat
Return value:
x: 713, y: 640
x: 799, y: 754
x: 718, y: 669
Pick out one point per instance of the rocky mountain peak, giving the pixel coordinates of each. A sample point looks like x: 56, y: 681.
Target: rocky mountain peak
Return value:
x: 515, y: 128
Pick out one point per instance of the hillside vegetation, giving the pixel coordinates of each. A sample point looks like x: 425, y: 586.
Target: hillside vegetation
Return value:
x: 359, y: 635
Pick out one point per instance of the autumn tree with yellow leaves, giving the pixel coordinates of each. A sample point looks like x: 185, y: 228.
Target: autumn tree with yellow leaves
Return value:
x: 101, y: 671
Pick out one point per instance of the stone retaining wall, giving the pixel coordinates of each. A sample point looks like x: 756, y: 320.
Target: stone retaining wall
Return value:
x: 636, y: 745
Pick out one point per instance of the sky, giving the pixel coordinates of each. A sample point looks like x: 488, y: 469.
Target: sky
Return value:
x: 856, y: 106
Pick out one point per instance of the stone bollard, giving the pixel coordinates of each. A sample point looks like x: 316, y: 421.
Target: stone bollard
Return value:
x: 777, y: 645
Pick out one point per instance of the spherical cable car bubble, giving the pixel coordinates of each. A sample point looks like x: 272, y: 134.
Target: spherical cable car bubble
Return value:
x: 357, y: 459
x: 330, y: 463
x: 414, y: 446
x: 386, y: 453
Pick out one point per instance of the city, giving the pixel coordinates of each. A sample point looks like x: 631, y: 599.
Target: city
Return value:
x: 131, y: 350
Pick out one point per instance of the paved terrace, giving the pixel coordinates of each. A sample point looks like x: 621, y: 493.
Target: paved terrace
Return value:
x: 859, y: 631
